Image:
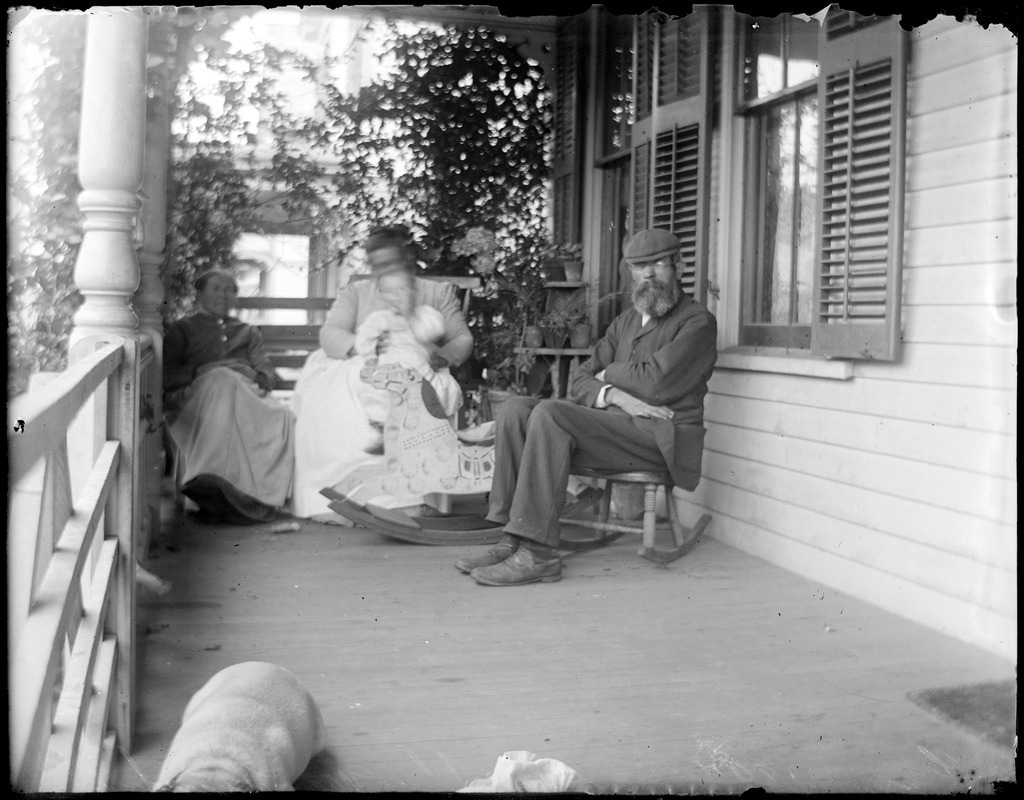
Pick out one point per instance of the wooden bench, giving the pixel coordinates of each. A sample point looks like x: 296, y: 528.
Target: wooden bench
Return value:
x: 290, y: 345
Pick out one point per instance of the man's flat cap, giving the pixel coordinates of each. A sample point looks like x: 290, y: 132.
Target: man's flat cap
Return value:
x: 650, y: 245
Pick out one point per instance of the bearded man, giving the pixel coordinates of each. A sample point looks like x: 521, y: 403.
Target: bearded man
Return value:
x: 636, y: 404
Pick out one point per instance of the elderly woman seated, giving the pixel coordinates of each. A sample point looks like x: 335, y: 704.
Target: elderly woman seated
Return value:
x: 235, y: 440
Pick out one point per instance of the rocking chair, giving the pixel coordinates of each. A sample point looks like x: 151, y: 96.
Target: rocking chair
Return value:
x: 423, y: 454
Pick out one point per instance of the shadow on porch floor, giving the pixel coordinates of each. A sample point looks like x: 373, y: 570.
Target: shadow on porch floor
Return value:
x: 714, y: 674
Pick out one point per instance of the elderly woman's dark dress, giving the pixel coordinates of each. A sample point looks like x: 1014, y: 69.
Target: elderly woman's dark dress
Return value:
x: 235, y: 440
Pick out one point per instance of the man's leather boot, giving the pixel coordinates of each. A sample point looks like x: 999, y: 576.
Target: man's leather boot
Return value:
x: 505, y: 547
x: 521, y: 567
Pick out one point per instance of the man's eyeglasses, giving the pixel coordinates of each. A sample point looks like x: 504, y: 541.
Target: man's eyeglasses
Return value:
x: 662, y: 263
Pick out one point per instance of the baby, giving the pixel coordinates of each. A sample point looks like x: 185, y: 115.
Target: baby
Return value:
x: 402, y: 333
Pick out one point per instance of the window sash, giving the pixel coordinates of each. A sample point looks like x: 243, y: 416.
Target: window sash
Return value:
x: 757, y: 327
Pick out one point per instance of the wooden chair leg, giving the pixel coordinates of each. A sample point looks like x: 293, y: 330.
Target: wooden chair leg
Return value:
x: 606, y: 502
x: 650, y: 517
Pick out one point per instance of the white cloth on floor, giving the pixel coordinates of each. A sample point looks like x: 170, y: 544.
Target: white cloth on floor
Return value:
x: 523, y: 771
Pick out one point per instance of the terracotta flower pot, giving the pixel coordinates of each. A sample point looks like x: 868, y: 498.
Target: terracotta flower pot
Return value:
x: 553, y: 271
x: 573, y: 271
x: 579, y: 337
x: 533, y: 336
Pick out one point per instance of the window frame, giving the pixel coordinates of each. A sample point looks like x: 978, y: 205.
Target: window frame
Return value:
x: 849, y: 339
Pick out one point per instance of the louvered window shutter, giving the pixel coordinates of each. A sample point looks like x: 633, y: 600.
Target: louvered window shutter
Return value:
x: 567, y: 144
x: 677, y: 188
x: 644, y: 69
x: 861, y: 97
x: 672, y: 154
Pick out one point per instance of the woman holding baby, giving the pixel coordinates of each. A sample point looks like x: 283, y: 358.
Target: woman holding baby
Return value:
x: 390, y: 315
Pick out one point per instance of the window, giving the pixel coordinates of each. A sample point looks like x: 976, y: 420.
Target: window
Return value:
x: 824, y: 116
x: 780, y: 70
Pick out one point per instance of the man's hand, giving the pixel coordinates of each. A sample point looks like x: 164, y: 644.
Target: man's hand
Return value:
x: 634, y: 406
x: 383, y: 341
x: 438, y: 361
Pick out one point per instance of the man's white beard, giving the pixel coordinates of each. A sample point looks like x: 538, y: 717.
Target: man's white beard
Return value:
x: 655, y: 298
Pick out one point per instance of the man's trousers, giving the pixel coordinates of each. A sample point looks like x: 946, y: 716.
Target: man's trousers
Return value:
x: 538, y: 443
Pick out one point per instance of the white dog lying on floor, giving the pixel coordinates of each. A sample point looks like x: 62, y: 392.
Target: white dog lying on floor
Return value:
x: 252, y: 727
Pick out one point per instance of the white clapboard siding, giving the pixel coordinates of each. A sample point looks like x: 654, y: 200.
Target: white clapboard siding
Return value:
x: 991, y: 586
x: 988, y: 284
x: 955, y: 406
x: 956, y: 533
x: 990, y: 241
x: 989, y: 367
x: 990, y: 118
x: 988, y: 455
x: 977, y: 160
x: 982, y: 496
x: 993, y: 76
x: 978, y: 201
x: 967, y: 325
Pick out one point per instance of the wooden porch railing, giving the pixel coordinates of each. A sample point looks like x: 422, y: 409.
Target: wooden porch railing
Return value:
x: 76, y: 452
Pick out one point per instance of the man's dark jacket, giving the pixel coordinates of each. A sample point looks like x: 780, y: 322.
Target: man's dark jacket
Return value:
x: 667, y: 362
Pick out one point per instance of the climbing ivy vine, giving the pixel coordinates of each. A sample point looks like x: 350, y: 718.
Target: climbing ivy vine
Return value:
x: 43, y: 227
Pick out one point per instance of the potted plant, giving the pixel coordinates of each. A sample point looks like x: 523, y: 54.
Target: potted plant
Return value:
x: 568, y: 313
x: 524, y: 296
x: 508, y: 311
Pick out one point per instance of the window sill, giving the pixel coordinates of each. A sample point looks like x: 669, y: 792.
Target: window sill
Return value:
x: 779, y: 360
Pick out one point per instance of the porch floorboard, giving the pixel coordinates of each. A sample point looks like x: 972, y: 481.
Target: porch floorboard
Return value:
x: 713, y: 674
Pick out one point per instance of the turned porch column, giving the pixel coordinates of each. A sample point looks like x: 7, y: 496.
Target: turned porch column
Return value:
x: 110, y: 167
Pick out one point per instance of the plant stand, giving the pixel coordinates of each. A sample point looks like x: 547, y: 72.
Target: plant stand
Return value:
x: 562, y: 360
